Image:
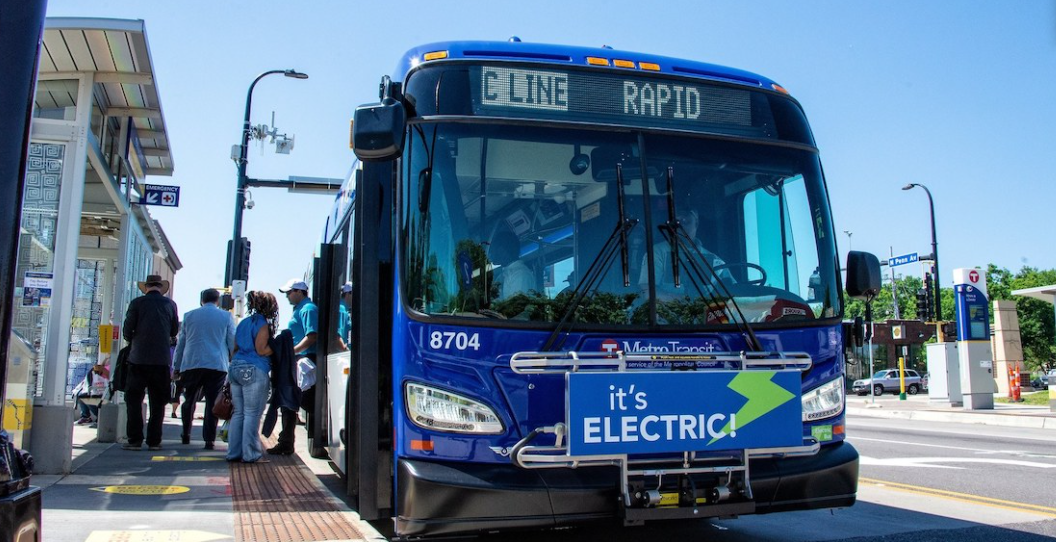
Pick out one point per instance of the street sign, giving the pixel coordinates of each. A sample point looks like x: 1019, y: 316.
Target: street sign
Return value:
x: 159, y: 194
x: 902, y: 260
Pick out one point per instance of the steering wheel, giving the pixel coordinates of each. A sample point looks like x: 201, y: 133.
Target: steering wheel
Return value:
x: 748, y: 265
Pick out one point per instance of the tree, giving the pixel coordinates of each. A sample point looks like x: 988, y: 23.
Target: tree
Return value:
x: 1036, y: 327
x: 883, y: 305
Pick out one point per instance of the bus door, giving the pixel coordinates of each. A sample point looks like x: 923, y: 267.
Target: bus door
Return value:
x: 368, y: 401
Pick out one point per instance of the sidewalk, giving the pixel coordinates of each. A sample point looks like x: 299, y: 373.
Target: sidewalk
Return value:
x: 184, y: 493
x: 920, y: 407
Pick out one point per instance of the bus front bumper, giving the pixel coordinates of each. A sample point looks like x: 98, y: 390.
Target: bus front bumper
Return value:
x: 440, y: 498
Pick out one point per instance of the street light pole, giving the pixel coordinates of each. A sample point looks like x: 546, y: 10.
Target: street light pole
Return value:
x: 934, y: 249
x: 240, y: 188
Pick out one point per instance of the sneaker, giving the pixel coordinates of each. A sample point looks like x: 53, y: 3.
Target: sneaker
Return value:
x: 154, y: 448
x: 83, y: 421
x: 133, y: 447
x: 93, y: 425
x: 185, y: 439
x: 209, y: 446
x: 281, y: 450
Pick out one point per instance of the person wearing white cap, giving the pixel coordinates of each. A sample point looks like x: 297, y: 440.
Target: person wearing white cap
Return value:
x: 304, y: 325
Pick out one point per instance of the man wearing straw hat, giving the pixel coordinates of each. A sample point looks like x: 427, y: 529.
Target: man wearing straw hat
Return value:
x: 151, y: 323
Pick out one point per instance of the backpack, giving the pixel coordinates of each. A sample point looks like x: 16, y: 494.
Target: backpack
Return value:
x: 119, y: 377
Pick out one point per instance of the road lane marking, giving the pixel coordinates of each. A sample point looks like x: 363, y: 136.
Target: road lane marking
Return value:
x: 962, y: 497
x: 142, y: 490
x: 154, y: 536
x: 960, y: 448
x: 918, y: 444
x: 930, y: 462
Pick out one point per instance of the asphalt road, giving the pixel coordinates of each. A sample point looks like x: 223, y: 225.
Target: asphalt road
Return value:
x: 919, y: 483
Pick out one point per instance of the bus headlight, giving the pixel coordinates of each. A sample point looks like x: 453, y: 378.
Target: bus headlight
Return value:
x: 825, y: 401
x: 444, y: 411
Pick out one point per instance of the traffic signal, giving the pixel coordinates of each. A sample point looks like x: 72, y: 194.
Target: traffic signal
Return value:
x: 922, y: 305
x: 931, y: 298
x: 242, y: 260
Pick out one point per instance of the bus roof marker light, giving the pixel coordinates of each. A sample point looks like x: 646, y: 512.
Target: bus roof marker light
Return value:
x: 435, y: 55
x: 779, y: 88
x: 651, y: 66
x: 597, y: 61
x: 624, y: 64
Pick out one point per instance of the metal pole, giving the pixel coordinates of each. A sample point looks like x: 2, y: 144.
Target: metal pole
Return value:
x: 21, y: 28
x: 872, y: 380
x: 894, y: 287
x: 935, y: 256
x: 240, y: 187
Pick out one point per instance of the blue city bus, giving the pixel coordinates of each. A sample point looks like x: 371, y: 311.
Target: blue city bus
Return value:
x: 582, y: 284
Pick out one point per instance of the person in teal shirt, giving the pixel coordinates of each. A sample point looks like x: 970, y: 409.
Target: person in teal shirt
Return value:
x: 304, y: 325
x: 344, y: 318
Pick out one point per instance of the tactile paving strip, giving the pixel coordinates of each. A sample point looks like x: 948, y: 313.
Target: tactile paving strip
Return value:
x: 280, y: 501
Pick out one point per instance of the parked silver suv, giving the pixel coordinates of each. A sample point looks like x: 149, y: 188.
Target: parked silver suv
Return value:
x: 886, y: 380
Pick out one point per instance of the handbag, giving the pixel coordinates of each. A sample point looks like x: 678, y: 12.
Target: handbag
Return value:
x: 222, y: 407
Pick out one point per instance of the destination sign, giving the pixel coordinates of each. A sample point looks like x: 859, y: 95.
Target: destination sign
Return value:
x: 618, y: 97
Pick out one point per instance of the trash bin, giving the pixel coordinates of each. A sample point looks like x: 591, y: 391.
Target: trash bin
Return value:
x: 19, y: 501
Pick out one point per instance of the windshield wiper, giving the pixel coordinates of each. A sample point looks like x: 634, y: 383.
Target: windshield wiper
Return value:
x: 601, y: 263
x: 676, y: 236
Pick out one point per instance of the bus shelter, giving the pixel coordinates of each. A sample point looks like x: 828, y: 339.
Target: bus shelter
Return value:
x: 97, y: 134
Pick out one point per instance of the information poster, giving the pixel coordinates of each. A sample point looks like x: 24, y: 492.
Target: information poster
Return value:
x: 36, y: 290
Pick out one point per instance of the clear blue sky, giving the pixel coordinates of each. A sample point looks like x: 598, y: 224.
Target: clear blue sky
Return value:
x: 957, y: 95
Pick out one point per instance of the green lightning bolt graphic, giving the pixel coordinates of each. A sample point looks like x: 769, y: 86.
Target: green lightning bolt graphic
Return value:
x: 762, y: 394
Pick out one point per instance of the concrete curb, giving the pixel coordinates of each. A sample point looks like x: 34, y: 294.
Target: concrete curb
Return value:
x: 977, y: 418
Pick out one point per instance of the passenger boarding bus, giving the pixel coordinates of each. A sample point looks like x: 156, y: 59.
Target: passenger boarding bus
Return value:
x: 582, y: 284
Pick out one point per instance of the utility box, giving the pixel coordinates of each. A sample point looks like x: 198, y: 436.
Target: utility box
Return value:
x: 1051, y: 379
x: 944, y: 374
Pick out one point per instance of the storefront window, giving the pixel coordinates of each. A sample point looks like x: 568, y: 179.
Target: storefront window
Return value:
x: 87, y: 316
x: 35, y: 268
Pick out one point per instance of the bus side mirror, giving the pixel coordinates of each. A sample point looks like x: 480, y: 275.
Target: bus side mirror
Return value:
x: 863, y: 275
x: 377, y: 131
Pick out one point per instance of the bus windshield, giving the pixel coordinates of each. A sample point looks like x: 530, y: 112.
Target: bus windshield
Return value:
x: 504, y: 221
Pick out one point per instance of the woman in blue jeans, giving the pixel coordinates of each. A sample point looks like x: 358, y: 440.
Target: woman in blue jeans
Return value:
x: 248, y: 375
